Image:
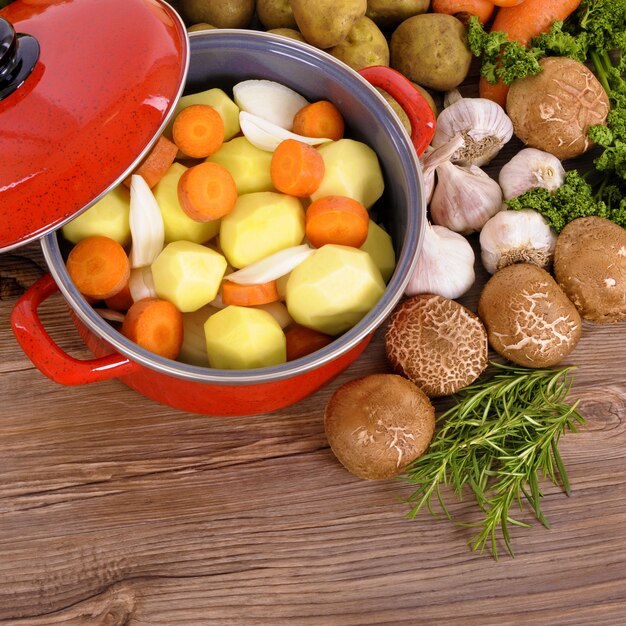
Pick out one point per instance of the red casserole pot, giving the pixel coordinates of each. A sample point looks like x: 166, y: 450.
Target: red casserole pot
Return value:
x: 220, y: 58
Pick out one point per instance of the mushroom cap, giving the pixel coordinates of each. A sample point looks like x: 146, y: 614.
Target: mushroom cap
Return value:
x: 437, y: 343
x: 376, y: 425
x: 553, y: 110
x: 529, y: 319
x: 590, y: 266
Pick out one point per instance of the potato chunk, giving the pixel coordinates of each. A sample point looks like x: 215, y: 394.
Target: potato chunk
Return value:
x: 244, y: 338
x: 380, y: 247
x: 188, y: 274
x: 259, y: 225
x: 108, y: 218
x: 333, y: 289
x: 177, y: 224
x: 351, y: 169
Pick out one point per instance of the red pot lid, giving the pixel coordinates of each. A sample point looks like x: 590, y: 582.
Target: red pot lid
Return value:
x: 106, y: 80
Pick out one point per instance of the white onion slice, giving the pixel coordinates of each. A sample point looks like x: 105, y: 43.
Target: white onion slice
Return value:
x: 267, y: 136
x: 278, y: 311
x: 146, y: 224
x: 110, y: 315
x: 271, y: 267
x: 269, y: 100
x: 141, y: 284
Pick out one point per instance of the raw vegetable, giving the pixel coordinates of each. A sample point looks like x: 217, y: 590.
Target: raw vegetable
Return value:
x: 528, y: 317
x: 141, y: 284
x: 333, y: 289
x: 198, y: 131
x: 155, y: 325
x: 528, y: 169
x: 498, y: 438
x: 389, y: 14
x: 380, y: 247
x: 319, y: 119
x: 554, y: 110
x: 445, y: 266
x: 193, y: 348
x: 378, y: 424
x: 574, y: 198
x: 302, y: 341
x: 364, y: 45
x: 437, y: 343
x: 249, y: 295
x: 244, y: 338
x: 122, y: 300
x: 464, y: 9
x: 146, y: 224
x: 207, y: 191
x: 188, y: 274
x: 98, y: 266
x: 590, y: 266
x: 296, y: 168
x: 338, y: 220
x: 158, y: 161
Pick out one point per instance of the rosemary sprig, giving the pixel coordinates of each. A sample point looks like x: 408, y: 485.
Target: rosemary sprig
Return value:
x: 496, y: 440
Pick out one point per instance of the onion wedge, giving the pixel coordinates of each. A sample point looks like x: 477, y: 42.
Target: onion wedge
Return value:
x: 146, y: 224
x: 271, y: 267
x: 141, y: 284
x: 269, y: 100
x: 267, y: 136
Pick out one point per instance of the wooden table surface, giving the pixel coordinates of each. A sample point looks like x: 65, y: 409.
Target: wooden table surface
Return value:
x: 115, y: 509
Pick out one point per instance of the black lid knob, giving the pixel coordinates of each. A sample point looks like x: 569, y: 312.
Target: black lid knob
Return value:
x: 18, y: 56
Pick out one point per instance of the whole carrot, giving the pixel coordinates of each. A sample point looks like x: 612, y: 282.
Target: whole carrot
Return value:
x: 521, y: 23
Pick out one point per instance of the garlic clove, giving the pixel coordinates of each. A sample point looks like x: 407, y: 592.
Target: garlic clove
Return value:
x: 464, y: 198
x: 445, y: 266
x: 483, y: 124
x: 528, y: 169
x: 516, y: 237
x: 434, y: 157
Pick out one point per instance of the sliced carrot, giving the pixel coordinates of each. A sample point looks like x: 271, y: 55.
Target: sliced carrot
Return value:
x: 521, y: 23
x: 302, y: 341
x: 336, y: 219
x: 319, y: 119
x: 121, y: 301
x: 507, y: 3
x: 99, y: 267
x: 249, y: 295
x: 198, y: 131
x: 207, y: 191
x: 156, y: 325
x: 158, y: 161
x: 463, y: 9
x: 296, y: 169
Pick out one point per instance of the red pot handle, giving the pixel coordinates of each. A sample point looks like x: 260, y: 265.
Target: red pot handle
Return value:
x: 48, y: 358
x: 410, y: 99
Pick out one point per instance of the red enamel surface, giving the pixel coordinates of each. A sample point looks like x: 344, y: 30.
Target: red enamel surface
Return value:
x: 107, y: 77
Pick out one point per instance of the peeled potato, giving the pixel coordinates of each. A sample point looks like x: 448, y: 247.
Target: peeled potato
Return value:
x: 380, y: 247
x: 244, y: 338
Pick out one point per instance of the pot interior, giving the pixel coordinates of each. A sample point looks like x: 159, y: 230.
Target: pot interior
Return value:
x: 221, y: 58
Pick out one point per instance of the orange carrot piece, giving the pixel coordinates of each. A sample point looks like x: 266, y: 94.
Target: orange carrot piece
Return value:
x: 521, y: 23
x: 507, y: 3
x: 207, y: 191
x: 249, y: 295
x: 319, y: 119
x: 463, y: 9
x: 99, y: 267
x: 198, y: 131
x: 158, y: 161
x: 301, y: 341
x: 121, y: 301
x: 156, y: 325
x: 336, y: 219
x: 296, y: 169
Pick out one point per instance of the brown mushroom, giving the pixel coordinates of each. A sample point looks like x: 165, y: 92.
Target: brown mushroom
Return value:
x: 376, y: 425
x: 437, y: 343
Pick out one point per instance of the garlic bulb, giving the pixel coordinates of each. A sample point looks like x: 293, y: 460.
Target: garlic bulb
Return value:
x: 445, y: 266
x: 434, y: 157
x: 516, y: 237
x: 483, y: 124
x: 464, y: 198
x: 528, y: 169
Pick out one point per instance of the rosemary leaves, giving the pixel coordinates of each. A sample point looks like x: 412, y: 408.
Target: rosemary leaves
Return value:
x: 496, y: 440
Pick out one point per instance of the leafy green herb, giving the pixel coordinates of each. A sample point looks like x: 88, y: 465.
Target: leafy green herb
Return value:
x: 574, y: 198
x: 496, y: 441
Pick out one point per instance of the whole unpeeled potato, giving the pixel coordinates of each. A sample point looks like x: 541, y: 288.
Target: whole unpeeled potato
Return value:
x: 364, y: 45
x: 275, y: 14
x: 325, y: 23
x: 231, y: 14
x: 388, y: 13
x: 431, y: 49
